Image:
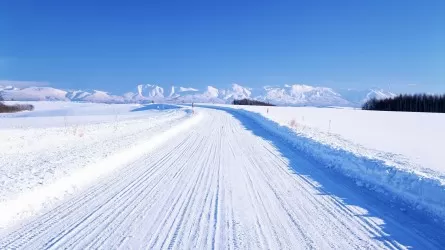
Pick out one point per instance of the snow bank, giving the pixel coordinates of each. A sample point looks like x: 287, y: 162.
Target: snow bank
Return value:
x: 416, y: 137
x: 48, y: 154
x: 32, y: 201
x: 421, y: 192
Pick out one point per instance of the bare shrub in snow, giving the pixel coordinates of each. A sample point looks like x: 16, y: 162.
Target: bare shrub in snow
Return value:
x: 293, y: 123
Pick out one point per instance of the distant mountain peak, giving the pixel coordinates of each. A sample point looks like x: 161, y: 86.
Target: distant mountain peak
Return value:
x: 183, y: 89
x: 286, y: 94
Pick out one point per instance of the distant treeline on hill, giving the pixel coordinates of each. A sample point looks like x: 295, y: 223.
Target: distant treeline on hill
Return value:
x: 408, y: 103
x: 250, y: 102
x: 13, y: 108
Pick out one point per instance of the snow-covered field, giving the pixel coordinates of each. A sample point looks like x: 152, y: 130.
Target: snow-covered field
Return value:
x: 77, y: 175
x: 414, y: 136
x: 396, y: 153
x: 59, y: 140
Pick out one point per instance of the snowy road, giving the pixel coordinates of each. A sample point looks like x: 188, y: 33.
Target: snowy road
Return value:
x: 225, y: 183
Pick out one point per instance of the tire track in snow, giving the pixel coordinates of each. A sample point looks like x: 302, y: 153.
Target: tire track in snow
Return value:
x: 217, y: 185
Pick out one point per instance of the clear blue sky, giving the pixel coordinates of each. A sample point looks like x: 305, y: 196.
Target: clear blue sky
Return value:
x: 114, y: 45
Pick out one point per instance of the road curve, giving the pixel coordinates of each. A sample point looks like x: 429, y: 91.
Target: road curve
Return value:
x: 225, y: 184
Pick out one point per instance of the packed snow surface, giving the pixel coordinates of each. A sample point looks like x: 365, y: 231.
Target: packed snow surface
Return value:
x: 208, y: 179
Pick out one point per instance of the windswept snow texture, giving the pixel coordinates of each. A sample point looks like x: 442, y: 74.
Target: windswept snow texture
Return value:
x: 221, y: 179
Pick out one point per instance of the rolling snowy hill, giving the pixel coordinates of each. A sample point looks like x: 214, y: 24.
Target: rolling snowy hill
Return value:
x: 288, y: 95
x: 34, y: 94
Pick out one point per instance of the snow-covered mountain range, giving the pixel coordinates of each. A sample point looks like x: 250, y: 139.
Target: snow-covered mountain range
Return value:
x: 291, y: 95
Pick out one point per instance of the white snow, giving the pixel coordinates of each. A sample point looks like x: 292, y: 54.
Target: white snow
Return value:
x: 47, y: 153
x: 101, y: 97
x: 400, y: 152
x: 288, y: 95
x: 35, y: 94
x: 416, y: 136
x: 302, y: 95
x: 236, y: 92
x: 184, y: 89
x: 77, y: 95
x: 214, y: 180
x: 151, y: 91
x: 212, y: 92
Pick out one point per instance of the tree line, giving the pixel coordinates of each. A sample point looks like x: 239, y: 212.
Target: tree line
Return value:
x: 250, y: 102
x: 408, y: 103
x: 13, y: 108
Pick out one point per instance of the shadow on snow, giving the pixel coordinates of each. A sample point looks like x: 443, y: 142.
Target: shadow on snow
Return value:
x: 397, y: 217
x: 156, y: 106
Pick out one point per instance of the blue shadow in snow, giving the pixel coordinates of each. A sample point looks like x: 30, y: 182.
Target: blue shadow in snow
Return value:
x: 409, y: 227
x: 156, y: 106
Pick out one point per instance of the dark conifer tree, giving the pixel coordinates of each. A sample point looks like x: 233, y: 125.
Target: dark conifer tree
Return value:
x: 251, y: 102
x: 408, y: 103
